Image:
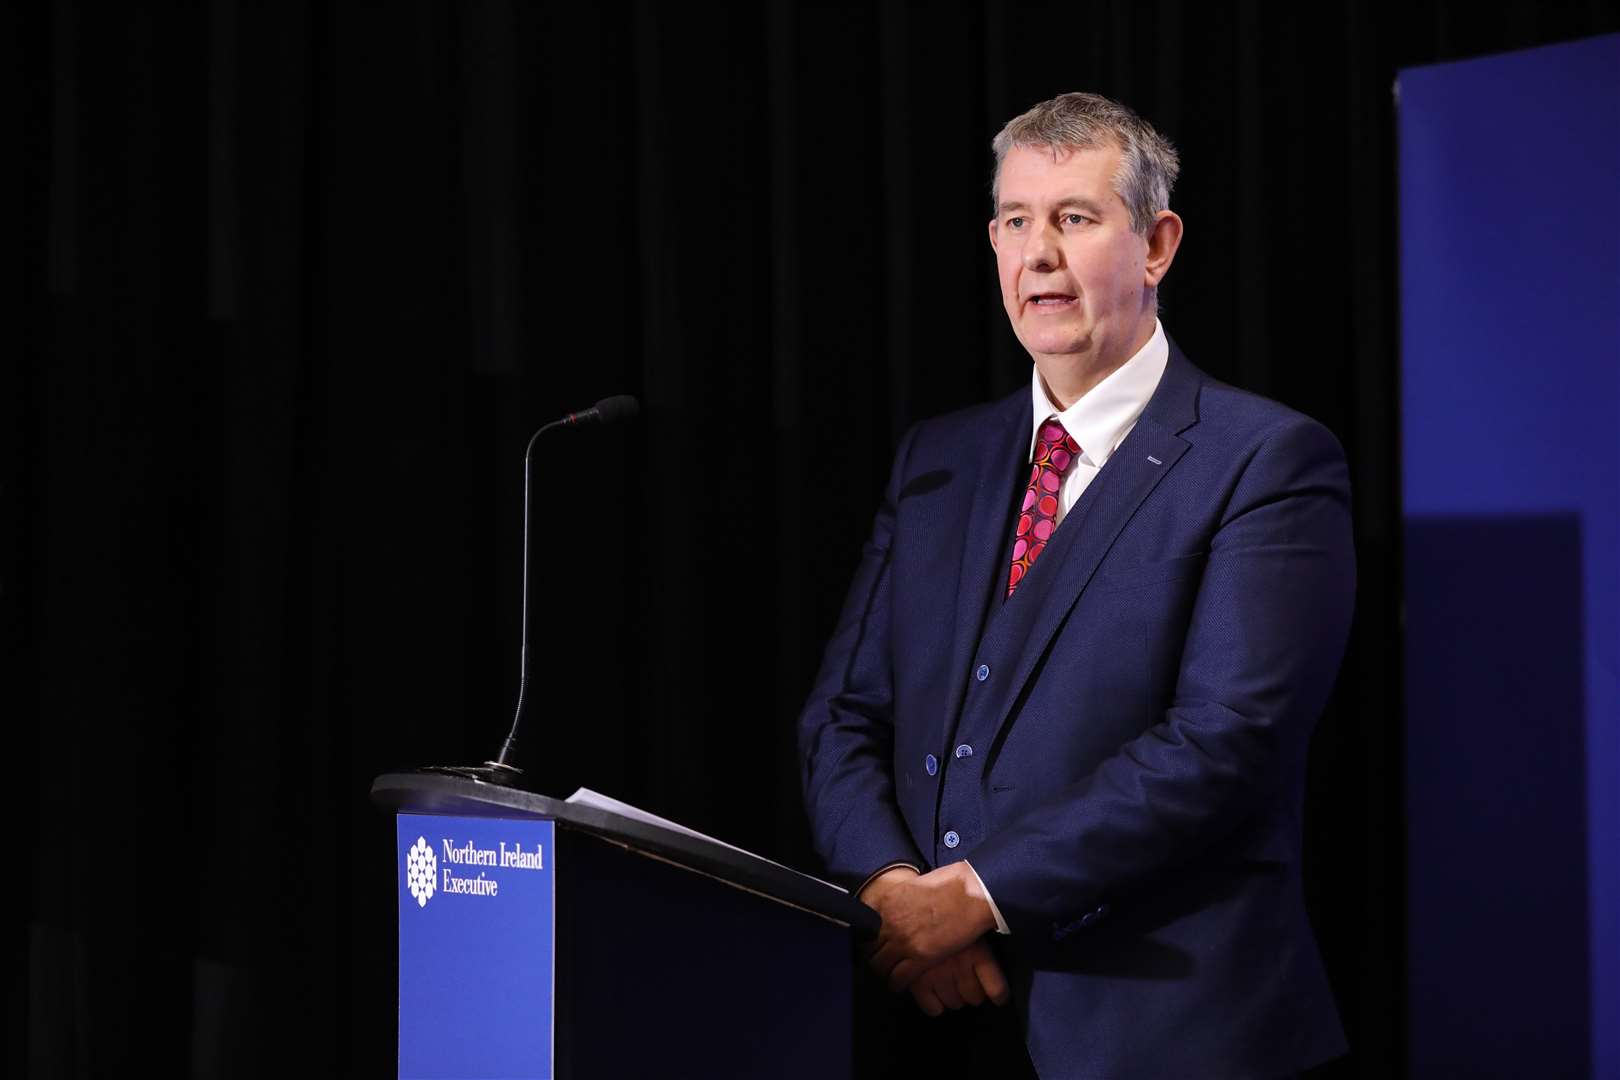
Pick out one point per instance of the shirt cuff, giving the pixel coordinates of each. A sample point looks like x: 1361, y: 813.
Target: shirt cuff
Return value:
x: 874, y: 875
x: 1001, y: 924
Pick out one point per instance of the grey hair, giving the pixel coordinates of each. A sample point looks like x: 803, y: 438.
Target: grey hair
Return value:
x: 1148, y: 164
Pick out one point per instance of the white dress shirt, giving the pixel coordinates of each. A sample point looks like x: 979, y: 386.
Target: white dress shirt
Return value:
x: 1103, y: 416
x: 1099, y: 422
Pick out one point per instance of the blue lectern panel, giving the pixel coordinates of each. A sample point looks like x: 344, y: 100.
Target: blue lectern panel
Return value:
x: 477, y: 901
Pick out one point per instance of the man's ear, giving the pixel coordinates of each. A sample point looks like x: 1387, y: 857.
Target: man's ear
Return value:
x: 1163, y: 240
x: 992, y: 234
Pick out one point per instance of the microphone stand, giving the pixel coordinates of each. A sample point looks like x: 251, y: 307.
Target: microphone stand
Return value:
x: 501, y: 769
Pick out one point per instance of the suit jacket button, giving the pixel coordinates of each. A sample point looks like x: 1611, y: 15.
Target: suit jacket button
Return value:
x: 951, y: 839
x: 983, y: 673
x: 931, y: 764
x: 964, y: 750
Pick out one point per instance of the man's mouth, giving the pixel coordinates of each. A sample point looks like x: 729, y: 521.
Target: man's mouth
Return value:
x: 1051, y: 299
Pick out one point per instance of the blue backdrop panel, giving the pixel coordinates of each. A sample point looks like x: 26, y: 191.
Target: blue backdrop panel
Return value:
x: 1510, y: 352
x: 477, y: 905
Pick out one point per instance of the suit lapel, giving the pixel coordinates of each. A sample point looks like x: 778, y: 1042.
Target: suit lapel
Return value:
x: 1066, y: 566
x: 989, y: 521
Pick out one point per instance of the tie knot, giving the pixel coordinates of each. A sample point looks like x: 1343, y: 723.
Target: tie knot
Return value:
x: 1055, y: 448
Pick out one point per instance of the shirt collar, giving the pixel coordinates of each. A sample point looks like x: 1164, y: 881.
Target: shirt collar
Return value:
x: 1105, y: 414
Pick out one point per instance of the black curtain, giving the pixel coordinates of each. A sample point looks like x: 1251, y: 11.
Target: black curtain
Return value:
x: 299, y: 281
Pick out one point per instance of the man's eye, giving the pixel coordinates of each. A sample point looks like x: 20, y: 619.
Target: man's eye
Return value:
x: 1015, y: 223
x: 1075, y: 219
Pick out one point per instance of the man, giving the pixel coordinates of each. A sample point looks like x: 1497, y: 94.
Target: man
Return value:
x: 1058, y: 738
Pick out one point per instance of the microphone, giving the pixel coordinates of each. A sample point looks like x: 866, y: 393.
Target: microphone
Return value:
x: 610, y: 410
x: 607, y: 411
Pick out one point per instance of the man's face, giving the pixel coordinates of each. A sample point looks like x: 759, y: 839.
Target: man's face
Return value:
x: 1074, y: 275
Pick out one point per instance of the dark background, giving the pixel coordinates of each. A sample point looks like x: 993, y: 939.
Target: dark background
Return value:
x: 299, y: 281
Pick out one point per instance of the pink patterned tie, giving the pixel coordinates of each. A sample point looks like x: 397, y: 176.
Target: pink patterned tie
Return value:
x: 1055, y: 451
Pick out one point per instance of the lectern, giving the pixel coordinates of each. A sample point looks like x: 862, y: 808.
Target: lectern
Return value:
x: 542, y: 938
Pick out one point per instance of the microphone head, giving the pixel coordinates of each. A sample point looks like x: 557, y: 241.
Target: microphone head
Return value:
x: 613, y: 409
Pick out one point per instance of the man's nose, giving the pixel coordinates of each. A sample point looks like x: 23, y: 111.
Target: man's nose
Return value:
x: 1041, y: 249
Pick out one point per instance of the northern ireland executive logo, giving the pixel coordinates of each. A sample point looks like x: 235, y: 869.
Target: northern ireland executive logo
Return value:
x: 420, y: 870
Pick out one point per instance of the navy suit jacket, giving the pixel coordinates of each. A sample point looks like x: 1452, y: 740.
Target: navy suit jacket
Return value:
x: 1119, y: 749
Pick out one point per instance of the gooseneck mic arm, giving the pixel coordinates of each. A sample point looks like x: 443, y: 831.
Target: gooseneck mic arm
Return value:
x: 607, y: 411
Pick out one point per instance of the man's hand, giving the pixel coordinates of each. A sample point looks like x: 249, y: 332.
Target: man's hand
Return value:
x: 926, y: 918
x: 969, y: 977
x: 874, y: 893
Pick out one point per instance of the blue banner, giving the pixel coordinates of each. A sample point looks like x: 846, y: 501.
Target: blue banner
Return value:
x: 1510, y: 353
x: 477, y: 904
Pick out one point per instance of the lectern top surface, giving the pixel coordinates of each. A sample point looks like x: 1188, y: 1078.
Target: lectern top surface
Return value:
x: 434, y: 793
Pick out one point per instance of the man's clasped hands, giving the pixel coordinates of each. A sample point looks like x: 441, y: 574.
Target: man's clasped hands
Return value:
x: 932, y: 942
